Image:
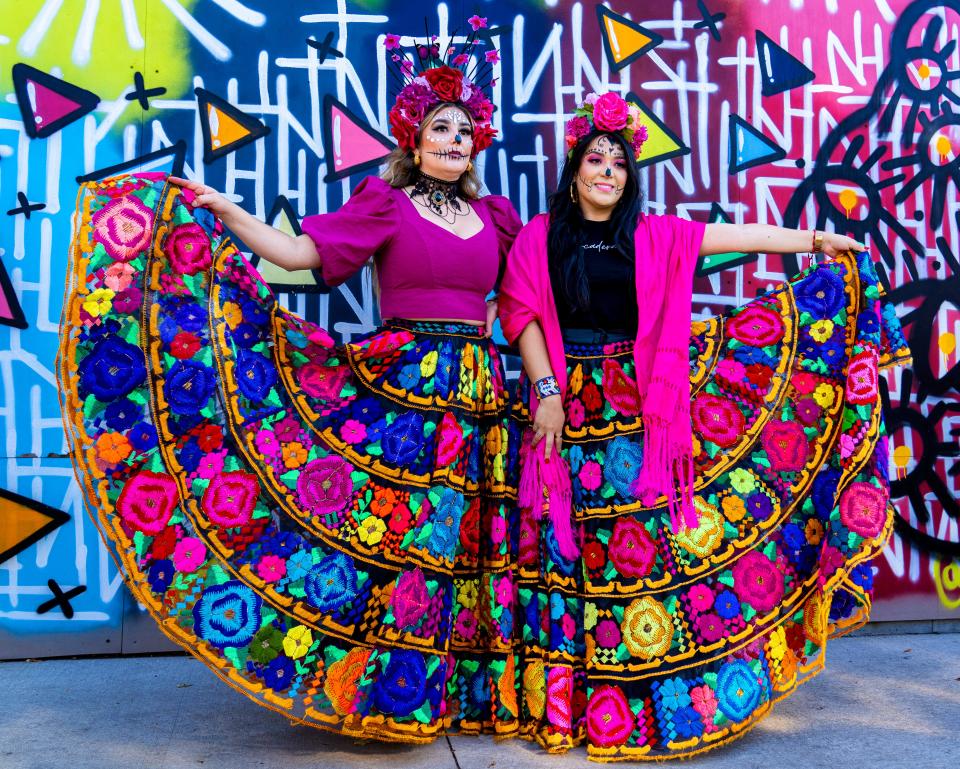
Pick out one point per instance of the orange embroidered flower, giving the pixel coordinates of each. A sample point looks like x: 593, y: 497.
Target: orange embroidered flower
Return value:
x: 294, y: 455
x: 734, y: 508
x: 340, y: 685
x: 113, y: 447
x: 384, y: 500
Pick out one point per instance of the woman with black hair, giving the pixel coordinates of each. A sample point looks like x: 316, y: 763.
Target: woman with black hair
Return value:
x: 696, y: 505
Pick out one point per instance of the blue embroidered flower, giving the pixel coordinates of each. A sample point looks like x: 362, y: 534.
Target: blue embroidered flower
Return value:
x: 188, y: 386
x: 299, y: 564
x: 447, y: 511
x: 622, y: 465
x: 105, y: 330
x: 867, y: 323
x: 832, y: 352
x: 478, y: 690
x: 824, y: 490
x: 331, y: 583
x: 793, y: 536
x: 121, y: 414
x: 409, y: 376
x: 190, y: 456
x: 227, y: 615
x: 805, y: 559
x: 843, y: 605
x: 279, y: 673
x: 727, y: 605
x: 192, y: 317
x: 169, y: 328
x: 112, y: 369
x: 246, y: 335
x: 750, y: 355
x: 562, y: 564
x: 674, y: 694
x: 738, y: 691
x: 403, y: 439
x: 862, y: 575
x: 160, y: 575
x: 143, y: 436
x: 255, y: 375
x: 401, y: 686
x: 759, y: 506
x: 821, y: 294
x: 687, y: 722
x: 253, y: 312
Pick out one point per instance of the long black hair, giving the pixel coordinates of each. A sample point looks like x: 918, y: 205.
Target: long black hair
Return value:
x: 566, y: 233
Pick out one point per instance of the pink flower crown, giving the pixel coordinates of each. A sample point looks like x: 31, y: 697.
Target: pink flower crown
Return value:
x: 610, y: 113
x: 446, y: 79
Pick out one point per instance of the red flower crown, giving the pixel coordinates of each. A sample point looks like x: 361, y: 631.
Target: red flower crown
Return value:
x: 446, y: 79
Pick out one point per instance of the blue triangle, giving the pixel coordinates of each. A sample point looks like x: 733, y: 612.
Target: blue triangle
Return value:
x: 779, y: 70
x: 749, y: 147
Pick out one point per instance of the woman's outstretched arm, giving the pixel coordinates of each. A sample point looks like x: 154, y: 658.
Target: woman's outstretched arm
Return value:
x: 769, y: 239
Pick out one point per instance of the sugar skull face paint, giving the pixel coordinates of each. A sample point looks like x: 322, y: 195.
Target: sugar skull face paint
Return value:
x: 601, y: 178
x: 446, y: 143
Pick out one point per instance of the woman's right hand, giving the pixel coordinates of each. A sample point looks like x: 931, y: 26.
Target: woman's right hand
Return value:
x: 205, y: 196
x: 548, y: 424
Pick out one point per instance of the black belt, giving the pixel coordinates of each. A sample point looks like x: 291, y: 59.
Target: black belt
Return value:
x: 594, y: 336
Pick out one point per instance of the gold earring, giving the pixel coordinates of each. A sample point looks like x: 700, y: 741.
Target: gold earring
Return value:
x: 416, y: 160
x: 469, y: 166
x: 572, y: 192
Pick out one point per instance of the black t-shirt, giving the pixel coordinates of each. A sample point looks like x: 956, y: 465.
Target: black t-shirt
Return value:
x: 613, y: 293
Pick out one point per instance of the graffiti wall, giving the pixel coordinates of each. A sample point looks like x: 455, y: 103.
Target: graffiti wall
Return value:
x: 837, y: 114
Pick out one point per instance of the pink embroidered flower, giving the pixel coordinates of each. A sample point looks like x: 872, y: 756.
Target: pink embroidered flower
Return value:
x: 731, y: 370
x: 324, y: 486
x: 230, y: 498
x: 188, y: 249
x: 609, y: 718
x: 804, y: 383
x: 324, y: 382
x: 717, y: 419
x: 756, y: 325
x: 590, y: 475
x: 710, y: 627
x: 147, y: 501
x: 568, y: 626
x: 607, y: 634
x: 287, y: 429
x: 466, y: 624
x: 118, y: 276
x: 576, y: 414
x: 701, y: 597
x: 211, y: 464
x: 189, y: 555
x: 128, y: 300
x: 704, y: 701
x: 271, y: 568
x: 863, y: 509
x: 266, y: 443
x: 559, y: 696
x: 831, y: 559
x: 757, y: 581
x: 124, y: 227
x: 353, y: 432
x: 631, y: 549
x: 786, y: 446
x: 847, y: 446
x: 528, y: 546
x: 498, y: 530
x: 449, y: 440
x: 410, y: 600
x: 610, y: 112
x: 862, y: 378
x: 504, y: 591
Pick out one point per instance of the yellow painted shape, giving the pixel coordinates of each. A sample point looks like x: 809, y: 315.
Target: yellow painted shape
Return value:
x: 277, y: 276
x: 163, y: 56
x: 947, y: 579
x: 224, y: 130
x: 848, y: 199
x: 902, y: 456
x: 947, y: 342
x: 17, y: 523
x: 658, y: 141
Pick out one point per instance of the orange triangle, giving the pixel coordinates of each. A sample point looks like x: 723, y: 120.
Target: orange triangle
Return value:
x: 224, y: 130
x: 23, y: 522
x: 624, y: 41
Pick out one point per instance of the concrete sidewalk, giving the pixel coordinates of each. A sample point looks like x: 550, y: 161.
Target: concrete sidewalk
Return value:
x: 883, y: 701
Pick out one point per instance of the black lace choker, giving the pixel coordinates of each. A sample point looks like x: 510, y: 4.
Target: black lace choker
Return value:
x: 440, y: 196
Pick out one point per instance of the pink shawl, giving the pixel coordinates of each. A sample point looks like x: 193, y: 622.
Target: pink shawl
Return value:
x: 666, y: 255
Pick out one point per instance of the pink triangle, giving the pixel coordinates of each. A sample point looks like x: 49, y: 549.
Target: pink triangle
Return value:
x: 352, y: 145
x: 47, y: 105
x: 5, y: 311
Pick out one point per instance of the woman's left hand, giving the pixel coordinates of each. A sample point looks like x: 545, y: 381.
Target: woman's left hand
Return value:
x: 835, y: 244
x: 491, y: 317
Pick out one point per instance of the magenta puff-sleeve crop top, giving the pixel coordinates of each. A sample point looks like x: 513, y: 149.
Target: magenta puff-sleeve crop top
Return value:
x: 424, y: 270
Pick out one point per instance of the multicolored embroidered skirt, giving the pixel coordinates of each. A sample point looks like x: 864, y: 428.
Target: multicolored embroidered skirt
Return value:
x: 654, y: 645
x: 325, y: 527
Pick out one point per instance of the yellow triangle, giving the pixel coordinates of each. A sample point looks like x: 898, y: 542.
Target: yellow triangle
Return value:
x: 17, y: 523
x: 624, y: 41
x: 658, y: 142
x: 224, y: 130
x: 277, y: 276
